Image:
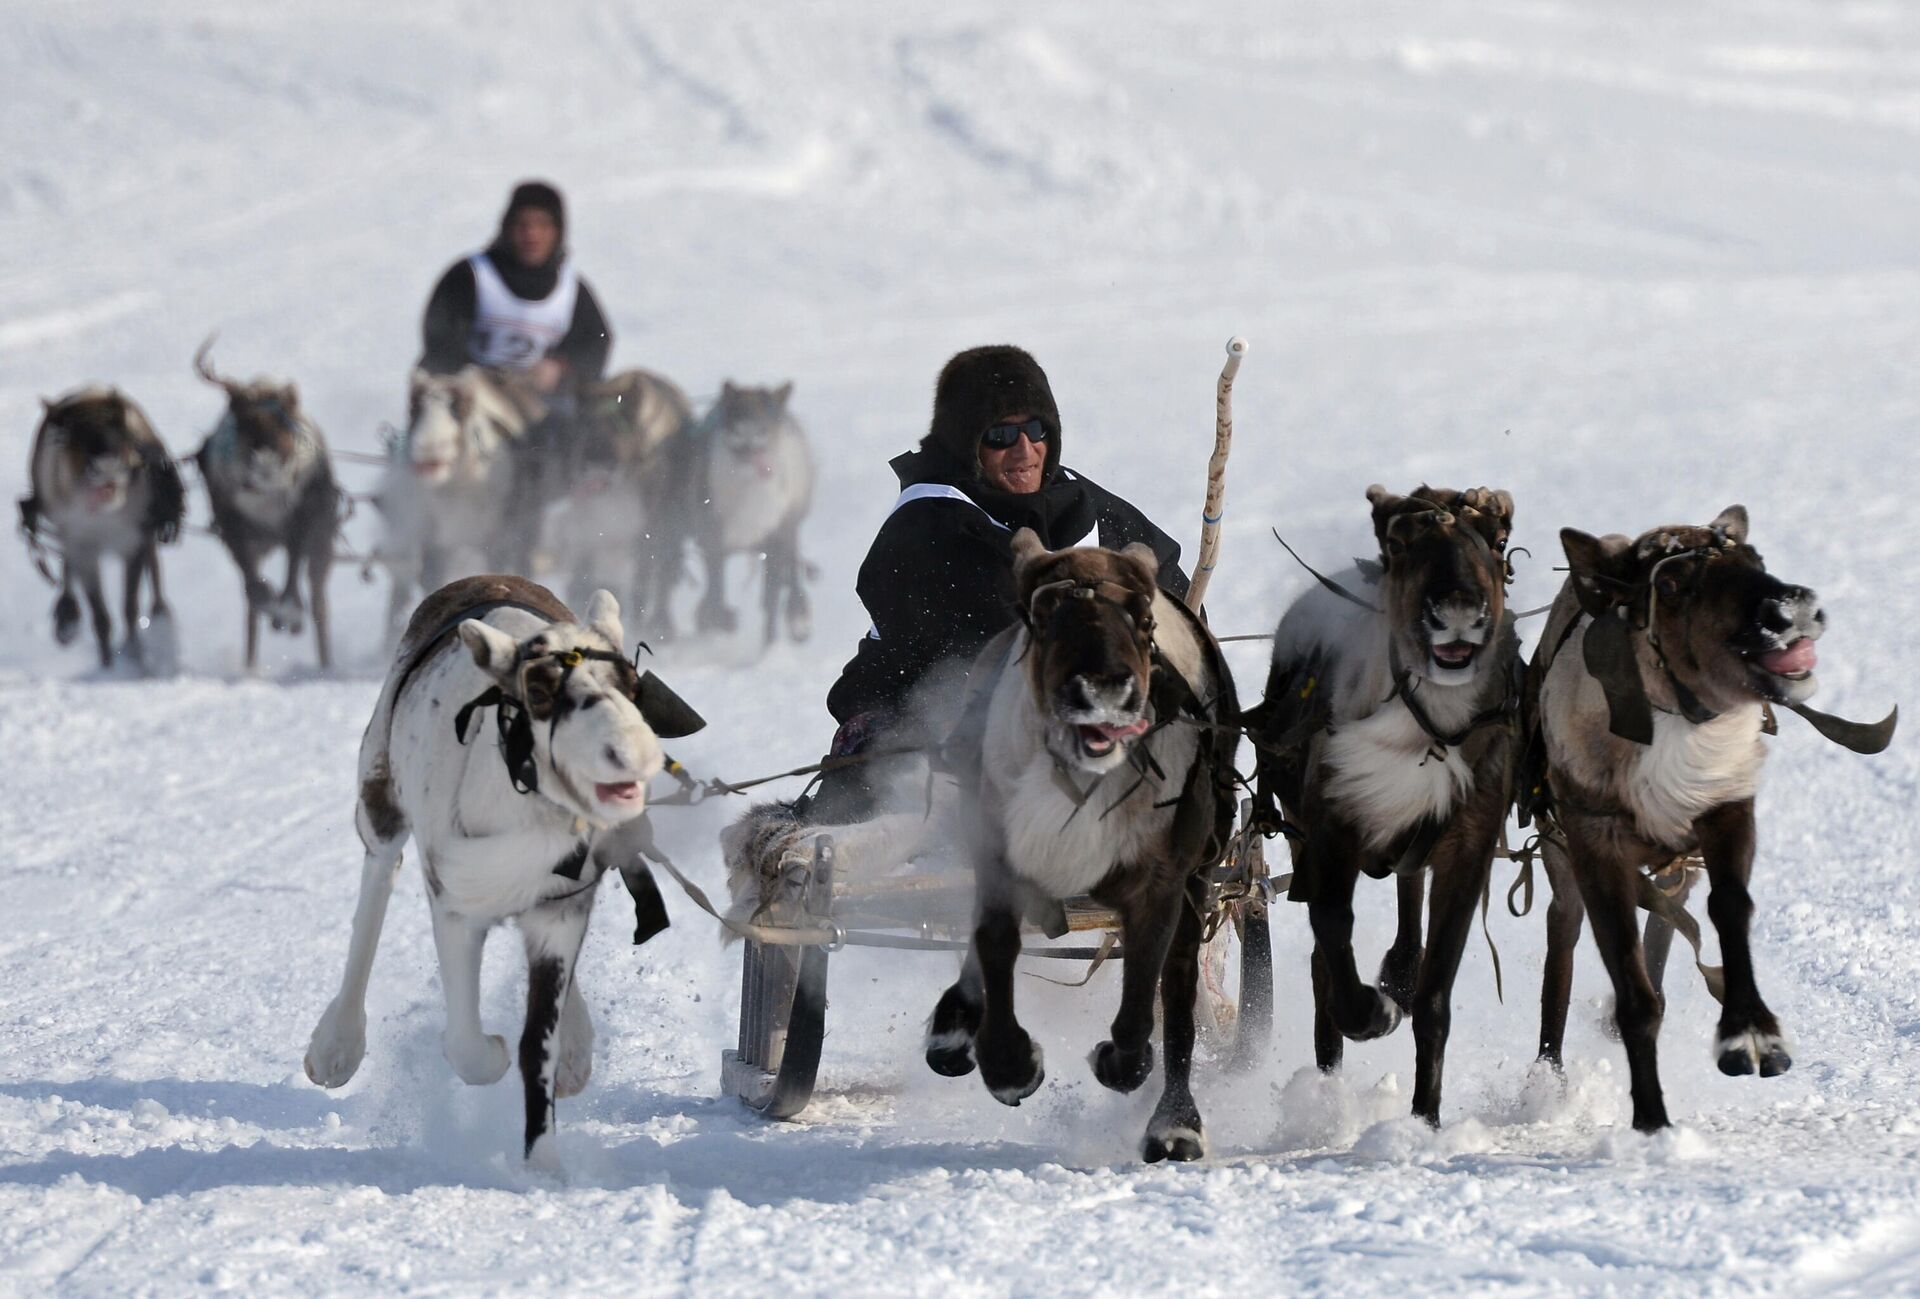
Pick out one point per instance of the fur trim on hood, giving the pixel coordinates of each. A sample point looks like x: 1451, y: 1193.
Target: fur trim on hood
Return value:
x: 981, y: 386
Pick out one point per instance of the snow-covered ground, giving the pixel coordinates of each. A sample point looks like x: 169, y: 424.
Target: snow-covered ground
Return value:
x: 1632, y: 262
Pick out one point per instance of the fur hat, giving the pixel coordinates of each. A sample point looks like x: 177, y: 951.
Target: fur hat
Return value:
x: 539, y: 196
x: 981, y: 386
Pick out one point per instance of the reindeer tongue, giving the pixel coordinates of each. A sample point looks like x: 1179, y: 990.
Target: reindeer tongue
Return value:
x: 1126, y: 732
x: 1795, y: 659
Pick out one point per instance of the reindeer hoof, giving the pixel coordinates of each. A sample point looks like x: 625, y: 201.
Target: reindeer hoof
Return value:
x: 1382, y: 1020
x: 1179, y: 1143
x: 338, y: 1046
x: 1121, y: 1071
x: 1752, y: 1051
x: 950, y: 1054
x: 1399, y: 972
x: 479, y: 1061
x: 1013, y: 1071
x: 799, y: 621
x: 66, y: 619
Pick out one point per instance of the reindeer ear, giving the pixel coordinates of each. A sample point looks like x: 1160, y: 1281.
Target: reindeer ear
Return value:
x: 1142, y: 555
x: 47, y: 404
x: 603, y: 616
x: 1385, y: 505
x: 1026, y: 548
x: 727, y: 390
x: 1599, y: 567
x: 781, y: 394
x: 290, y: 396
x: 1733, y: 522
x: 492, y: 649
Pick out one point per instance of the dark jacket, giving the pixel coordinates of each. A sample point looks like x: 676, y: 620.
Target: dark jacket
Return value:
x: 938, y: 579
x: 449, y: 319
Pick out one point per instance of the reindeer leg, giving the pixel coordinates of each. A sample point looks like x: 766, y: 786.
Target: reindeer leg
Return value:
x: 157, y: 607
x: 1566, y: 915
x: 1328, y: 1046
x: 1400, y: 968
x: 286, y: 610
x: 773, y: 585
x: 66, y: 609
x: 1657, y: 937
x: 1606, y: 886
x: 1750, y: 1037
x: 339, y: 1041
x: 1175, y: 1131
x: 479, y: 1057
x: 799, y: 607
x: 1359, y: 1012
x: 1011, y: 1063
x: 1457, y: 886
x: 714, y: 614
x: 97, y: 606
x: 319, y: 566
x: 1124, y: 1060
x: 132, y: 569
x: 553, y: 932
x: 955, y: 1022
x: 247, y: 556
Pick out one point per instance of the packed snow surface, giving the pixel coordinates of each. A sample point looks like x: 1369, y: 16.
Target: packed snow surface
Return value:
x: 1633, y: 262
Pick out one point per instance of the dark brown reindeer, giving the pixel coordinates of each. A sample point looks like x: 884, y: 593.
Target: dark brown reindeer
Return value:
x: 1083, y: 775
x: 1647, y: 699
x: 1387, y: 735
x: 270, y: 481
x: 102, y: 484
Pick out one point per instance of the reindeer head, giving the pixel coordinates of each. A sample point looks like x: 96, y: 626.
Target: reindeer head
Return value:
x: 439, y: 409
x: 1445, y: 592
x: 1728, y: 630
x: 1090, y: 615
x: 593, y: 723
x: 749, y: 419
x: 92, y: 433
x: 269, y: 450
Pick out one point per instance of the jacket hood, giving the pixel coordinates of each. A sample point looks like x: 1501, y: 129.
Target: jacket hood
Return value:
x: 982, y: 386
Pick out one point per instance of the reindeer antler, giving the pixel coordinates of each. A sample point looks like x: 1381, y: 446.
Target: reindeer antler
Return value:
x: 206, y: 371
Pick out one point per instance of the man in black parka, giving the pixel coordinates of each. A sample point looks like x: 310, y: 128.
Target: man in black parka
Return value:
x: 938, y: 580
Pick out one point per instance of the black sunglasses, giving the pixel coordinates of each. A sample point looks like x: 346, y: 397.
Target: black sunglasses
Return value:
x: 999, y: 437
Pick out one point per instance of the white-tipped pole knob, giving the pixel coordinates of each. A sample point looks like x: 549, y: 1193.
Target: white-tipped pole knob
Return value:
x: 1236, y: 346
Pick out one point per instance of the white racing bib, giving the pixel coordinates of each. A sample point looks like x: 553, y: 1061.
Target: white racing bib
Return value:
x: 509, y: 332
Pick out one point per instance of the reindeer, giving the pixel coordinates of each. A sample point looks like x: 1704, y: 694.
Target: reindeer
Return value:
x: 1096, y: 761
x: 102, y: 484
x: 618, y: 523
x: 1387, y: 736
x: 449, y: 485
x: 754, y: 485
x: 1648, y: 695
x: 523, y: 830
x: 270, y: 481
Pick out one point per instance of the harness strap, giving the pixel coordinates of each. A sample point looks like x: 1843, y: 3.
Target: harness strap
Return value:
x: 1322, y: 578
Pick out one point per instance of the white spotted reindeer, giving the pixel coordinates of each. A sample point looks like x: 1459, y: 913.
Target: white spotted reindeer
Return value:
x: 522, y: 829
